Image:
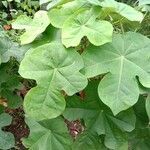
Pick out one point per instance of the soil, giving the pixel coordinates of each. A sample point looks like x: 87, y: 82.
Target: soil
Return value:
x: 74, y: 127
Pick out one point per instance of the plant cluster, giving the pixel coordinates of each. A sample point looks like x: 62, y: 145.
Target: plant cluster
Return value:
x: 91, y: 63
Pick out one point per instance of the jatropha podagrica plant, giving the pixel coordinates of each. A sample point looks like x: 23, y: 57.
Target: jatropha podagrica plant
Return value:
x: 90, y: 47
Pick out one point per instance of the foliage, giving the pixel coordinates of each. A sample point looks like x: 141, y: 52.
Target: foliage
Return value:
x: 6, y: 139
x: 90, y: 60
x: 13, y: 8
x: 51, y: 132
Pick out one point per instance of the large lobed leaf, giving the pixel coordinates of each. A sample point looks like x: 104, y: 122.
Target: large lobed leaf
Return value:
x: 123, y: 59
x: 99, y: 119
x: 85, y: 24
x: 77, y: 20
x: 55, y: 68
x: 53, y: 134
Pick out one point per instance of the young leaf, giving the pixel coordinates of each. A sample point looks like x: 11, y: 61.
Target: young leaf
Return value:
x: 98, y: 118
x: 123, y: 60
x: 48, y: 135
x: 7, y: 140
x: 54, y: 68
x: 33, y: 27
x: 85, y: 24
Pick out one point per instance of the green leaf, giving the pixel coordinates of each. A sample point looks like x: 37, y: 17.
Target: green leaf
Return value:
x: 55, y: 3
x: 10, y: 49
x: 119, y: 87
x: 120, y: 8
x: 48, y: 135
x: 18, y: 1
x: 33, y: 27
x: 8, y: 84
x: 148, y: 106
x: 59, y: 15
x: 13, y: 100
x: 95, y: 2
x: 22, y: 22
x: 49, y: 35
x: 85, y: 24
x: 5, y: 3
x: 55, y: 64
x: 44, y: 1
x: 43, y: 102
x: 7, y: 140
x: 98, y: 118
x: 143, y: 2
x: 142, y: 120
x: 139, y: 139
x: 88, y: 141
x: 54, y: 68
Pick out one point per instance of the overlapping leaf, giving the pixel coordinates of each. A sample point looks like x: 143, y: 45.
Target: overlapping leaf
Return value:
x: 142, y: 120
x: 9, y: 49
x: 7, y: 140
x: 145, y: 5
x: 85, y: 24
x: 148, y: 106
x: 44, y: 1
x: 140, y: 139
x: 59, y: 15
x: 48, y: 135
x: 8, y: 84
x: 88, y: 141
x: 54, y: 68
x: 34, y: 27
x: 98, y: 118
x: 120, y: 8
x: 123, y: 60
